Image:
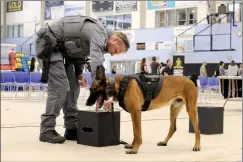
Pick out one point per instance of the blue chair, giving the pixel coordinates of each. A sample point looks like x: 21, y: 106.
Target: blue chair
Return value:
x: 203, y: 82
x: 21, y: 79
x: 7, y: 80
x: 35, y: 81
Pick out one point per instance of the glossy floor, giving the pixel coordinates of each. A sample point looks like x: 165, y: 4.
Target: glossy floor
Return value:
x: 20, y: 120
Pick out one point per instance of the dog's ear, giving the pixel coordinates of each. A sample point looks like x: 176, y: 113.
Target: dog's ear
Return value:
x: 100, y: 73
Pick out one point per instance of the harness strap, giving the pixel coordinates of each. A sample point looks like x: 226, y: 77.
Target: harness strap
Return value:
x: 148, y: 94
x: 122, y: 89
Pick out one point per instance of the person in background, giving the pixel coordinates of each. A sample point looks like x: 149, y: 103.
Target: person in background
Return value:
x: 34, y: 65
x: 168, y: 70
x: 114, y: 69
x: 232, y: 69
x: 239, y: 73
x: 143, y: 66
x: 221, y: 68
x: 154, y: 66
x: 162, y: 66
x: 12, y: 59
x: 203, y: 70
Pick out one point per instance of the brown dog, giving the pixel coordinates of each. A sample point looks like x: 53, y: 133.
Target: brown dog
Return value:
x: 176, y: 90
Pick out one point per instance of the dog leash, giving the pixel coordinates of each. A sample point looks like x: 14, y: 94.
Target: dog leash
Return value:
x: 114, y: 129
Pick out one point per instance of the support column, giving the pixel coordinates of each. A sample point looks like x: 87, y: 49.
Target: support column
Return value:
x: 5, y: 27
x: 212, y: 8
x: 142, y: 14
x: 42, y: 14
x: 88, y: 8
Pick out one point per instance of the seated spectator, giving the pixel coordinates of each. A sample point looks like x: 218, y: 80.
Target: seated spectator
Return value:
x: 232, y: 69
x: 168, y: 70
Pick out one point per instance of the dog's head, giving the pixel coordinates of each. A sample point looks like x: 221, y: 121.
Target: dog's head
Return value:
x: 99, y: 89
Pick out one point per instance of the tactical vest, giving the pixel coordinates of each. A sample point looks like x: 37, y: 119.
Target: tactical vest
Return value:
x: 76, y: 47
x: 150, y: 85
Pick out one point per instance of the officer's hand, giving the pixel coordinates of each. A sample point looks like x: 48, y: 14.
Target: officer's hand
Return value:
x: 165, y: 74
x: 82, y: 81
x: 108, y: 105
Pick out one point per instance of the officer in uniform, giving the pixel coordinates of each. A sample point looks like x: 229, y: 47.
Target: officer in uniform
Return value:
x: 64, y: 47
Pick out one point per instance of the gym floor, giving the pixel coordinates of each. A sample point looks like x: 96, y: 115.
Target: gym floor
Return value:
x: 20, y: 120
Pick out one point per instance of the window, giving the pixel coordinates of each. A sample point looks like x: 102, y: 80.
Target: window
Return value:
x: 170, y: 17
x: 176, y: 17
x: 238, y: 11
x: 127, y: 21
x: 192, y: 16
x: 15, y: 31
x: 161, y: 19
x: 117, y: 22
x: 181, y: 17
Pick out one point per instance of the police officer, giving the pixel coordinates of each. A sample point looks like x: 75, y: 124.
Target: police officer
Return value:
x: 64, y: 47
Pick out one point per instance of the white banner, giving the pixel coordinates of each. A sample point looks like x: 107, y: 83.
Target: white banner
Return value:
x: 164, y: 45
x: 72, y: 8
x: 126, y: 6
x: 57, y: 12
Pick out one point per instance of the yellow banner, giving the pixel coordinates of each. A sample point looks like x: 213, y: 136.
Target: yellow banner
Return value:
x: 14, y: 6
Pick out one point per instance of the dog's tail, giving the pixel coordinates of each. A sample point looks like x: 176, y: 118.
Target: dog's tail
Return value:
x: 194, y: 79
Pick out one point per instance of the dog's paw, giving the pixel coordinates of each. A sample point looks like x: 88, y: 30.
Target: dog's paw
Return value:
x: 131, y: 152
x: 161, y: 144
x: 128, y: 146
x: 196, y: 148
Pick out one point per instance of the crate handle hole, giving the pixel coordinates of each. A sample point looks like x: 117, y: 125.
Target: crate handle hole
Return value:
x: 87, y: 129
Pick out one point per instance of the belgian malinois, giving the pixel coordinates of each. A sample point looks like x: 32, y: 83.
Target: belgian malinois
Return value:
x: 176, y: 91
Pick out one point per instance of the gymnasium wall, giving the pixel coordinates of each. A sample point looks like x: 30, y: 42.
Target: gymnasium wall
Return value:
x: 28, y: 17
x: 135, y: 15
x: 166, y: 34
x: 202, y: 10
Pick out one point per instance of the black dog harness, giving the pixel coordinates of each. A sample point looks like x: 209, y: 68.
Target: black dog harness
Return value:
x: 149, y: 84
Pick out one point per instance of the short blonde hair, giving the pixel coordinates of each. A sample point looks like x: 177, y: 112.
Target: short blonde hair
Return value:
x: 124, y: 38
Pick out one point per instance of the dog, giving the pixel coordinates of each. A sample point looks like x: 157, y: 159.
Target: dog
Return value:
x: 176, y: 91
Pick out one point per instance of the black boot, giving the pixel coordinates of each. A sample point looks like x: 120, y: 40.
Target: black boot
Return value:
x: 70, y: 134
x: 51, y: 137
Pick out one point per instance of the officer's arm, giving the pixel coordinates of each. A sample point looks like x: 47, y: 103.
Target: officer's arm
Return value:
x: 79, y: 69
x: 97, y: 46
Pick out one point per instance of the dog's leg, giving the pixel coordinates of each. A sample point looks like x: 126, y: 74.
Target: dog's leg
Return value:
x: 175, y: 108
x: 136, y: 120
x: 193, y: 115
x: 130, y: 146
